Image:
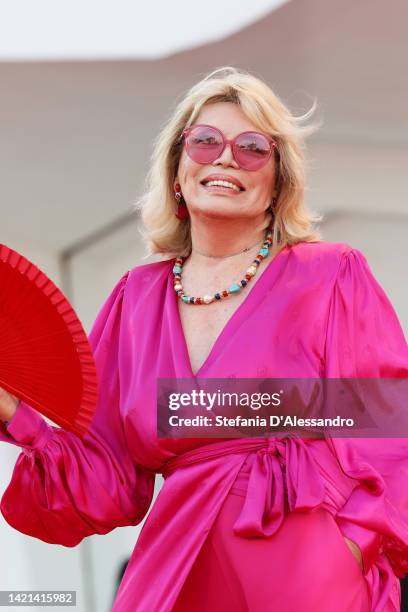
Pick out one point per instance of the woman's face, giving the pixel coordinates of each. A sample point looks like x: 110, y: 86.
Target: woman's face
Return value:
x: 259, y: 185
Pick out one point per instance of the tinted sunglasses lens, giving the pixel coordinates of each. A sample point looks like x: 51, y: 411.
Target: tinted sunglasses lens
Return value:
x: 252, y: 151
x: 203, y: 144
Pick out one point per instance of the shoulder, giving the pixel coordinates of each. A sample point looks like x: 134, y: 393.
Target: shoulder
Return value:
x: 148, y: 280
x: 321, y: 249
x: 322, y: 254
x: 150, y: 272
x: 342, y: 267
x: 320, y: 264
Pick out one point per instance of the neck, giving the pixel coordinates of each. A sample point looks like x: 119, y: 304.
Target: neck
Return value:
x: 218, y: 243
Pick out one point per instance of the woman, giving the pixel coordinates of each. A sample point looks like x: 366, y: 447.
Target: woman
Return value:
x: 246, y: 289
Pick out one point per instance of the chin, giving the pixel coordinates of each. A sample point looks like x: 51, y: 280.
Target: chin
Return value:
x: 213, y: 211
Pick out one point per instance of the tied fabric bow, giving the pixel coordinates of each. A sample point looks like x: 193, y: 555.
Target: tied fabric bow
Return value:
x: 283, y: 474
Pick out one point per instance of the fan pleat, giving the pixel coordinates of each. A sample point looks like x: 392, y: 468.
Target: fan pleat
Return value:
x: 45, y: 356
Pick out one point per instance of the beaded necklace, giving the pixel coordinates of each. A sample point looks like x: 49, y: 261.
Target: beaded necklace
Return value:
x: 234, y: 288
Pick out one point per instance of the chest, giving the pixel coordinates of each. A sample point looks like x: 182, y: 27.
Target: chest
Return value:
x: 202, y: 325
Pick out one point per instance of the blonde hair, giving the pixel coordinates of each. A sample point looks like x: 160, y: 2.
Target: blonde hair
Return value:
x: 161, y: 231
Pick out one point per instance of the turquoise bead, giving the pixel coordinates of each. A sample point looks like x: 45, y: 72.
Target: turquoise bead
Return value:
x: 234, y: 288
x: 264, y: 252
x: 177, y: 270
x: 185, y: 298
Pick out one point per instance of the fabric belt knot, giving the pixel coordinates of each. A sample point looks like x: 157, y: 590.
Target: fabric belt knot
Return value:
x: 284, y: 477
x: 211, y: 451
x: 272, y: 447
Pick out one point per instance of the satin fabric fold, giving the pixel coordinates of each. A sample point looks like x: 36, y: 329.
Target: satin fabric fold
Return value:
x: 315, y: 311
x: 284, y: 477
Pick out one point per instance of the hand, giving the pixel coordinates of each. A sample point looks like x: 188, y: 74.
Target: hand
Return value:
x: 355, y: 550
x: 8, y: 405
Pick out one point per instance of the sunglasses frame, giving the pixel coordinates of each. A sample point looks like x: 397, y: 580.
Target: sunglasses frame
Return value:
x: 231, y: 142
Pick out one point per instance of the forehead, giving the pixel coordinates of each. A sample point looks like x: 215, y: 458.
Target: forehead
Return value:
x: 227, y: 117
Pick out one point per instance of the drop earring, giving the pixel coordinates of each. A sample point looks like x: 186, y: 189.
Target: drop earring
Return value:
x: 182, y: 212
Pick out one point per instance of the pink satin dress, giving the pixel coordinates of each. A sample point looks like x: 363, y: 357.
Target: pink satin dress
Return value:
x: 240, y: 524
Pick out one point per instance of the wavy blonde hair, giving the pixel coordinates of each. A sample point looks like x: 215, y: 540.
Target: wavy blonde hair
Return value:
x: 166, y: 235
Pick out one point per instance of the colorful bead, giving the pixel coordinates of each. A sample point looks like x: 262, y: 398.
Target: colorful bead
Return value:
x: 234, y: 288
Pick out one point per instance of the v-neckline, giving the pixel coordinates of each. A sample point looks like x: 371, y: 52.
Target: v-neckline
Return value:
x: 228, y: 325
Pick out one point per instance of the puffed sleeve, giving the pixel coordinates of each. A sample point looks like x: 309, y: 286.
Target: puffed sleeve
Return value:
x: 365, y: 340
x: 64, y: 488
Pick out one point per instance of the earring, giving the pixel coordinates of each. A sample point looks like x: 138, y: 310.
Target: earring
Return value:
x: 182, y: 212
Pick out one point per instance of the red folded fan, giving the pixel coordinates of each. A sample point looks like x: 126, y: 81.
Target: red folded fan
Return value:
x: 45, y: 356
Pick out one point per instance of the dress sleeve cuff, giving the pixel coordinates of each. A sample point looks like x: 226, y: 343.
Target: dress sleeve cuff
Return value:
x: 369, y: 541
x: 27, y: 428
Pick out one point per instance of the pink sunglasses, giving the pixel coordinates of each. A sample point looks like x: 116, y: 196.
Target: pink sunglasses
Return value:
x: 205, y: 143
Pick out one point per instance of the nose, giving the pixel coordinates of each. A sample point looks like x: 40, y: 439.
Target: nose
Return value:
x: 226, y: 158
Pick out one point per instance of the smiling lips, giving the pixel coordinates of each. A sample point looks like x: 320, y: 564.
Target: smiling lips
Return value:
x: 219, y: 182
